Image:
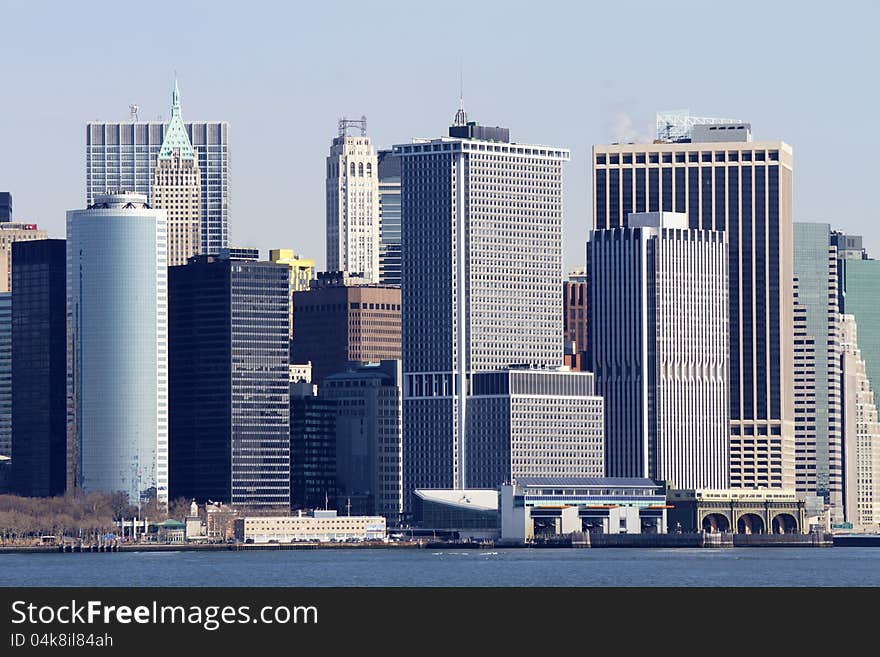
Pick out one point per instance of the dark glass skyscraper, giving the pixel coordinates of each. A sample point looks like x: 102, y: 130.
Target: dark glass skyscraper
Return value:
x: 312, y: 449
x: 5, y: 206
x: 745, y: 189
x: 228, y: 372
x: 39, y: 385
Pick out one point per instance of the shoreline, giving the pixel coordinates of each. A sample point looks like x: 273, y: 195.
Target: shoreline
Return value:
x: 609, y: 541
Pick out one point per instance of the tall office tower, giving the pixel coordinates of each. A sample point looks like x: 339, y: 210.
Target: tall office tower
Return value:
x: 389, y: 218
x: 804, y: 401
x: 353, y: 203
x: 369, y: 438
x: 6, y: 374
x: 5, y: 206
x: 302, y: 271
x: 125, y: 155
x: 575, y: 311
x: 14, y: 232
x: 39, y: 370
x: 818, y: 448
x: 861, y: 430
x: 229, y: 372
x: 658, y: 348
x: 482, y: 281
x: 725, y: 182
x: 859, y: 282
x: 340, y: 320
x: 312, y: 449
x: 117, y: 367
x: 177, y: 188
x: 533, y: 423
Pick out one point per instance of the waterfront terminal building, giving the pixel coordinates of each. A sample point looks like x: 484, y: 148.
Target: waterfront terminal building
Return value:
x: 321, y: 525
x: 546, y: 506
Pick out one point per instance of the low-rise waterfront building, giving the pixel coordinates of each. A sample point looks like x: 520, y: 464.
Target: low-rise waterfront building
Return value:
x: 741, y: 511
x: 319, y: 526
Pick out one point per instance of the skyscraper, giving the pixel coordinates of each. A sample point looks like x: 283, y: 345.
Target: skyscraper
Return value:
x: 818, y: 448
x: 39, y: 386
x: 6, y: 374
x: 5, y: 206
x: 528, y: 422
x: 340, y: 321
x: 229, y: 371
x: 302, y: 271
x: 728, y: 183
x: 369, y: 438
x: 861, y: 431
x: 353, y: 204
x: 312, y: 449
x: 177, y: 188
x: 14, y: 232
x: 482, y: 281
x: 125, y: 156
x: 859, y: 283
x: 389, y: 218
x: 658, y: 345
x: 117, y: 374
x: 575, y: 311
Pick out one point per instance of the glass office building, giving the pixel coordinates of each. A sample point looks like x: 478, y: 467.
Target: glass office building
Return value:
x: 5, y: 373
x: 117, y: 374
x: 389, y: 219
x: 39, y: 389
x: 229, y: 371
x: 860, y: 281
x: 125, y: 156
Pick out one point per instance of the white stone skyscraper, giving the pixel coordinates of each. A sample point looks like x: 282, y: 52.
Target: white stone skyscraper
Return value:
x: 482, y: 289
x: 861, y: 434
x: 117, y: 373
x: 658, y: 345
x: 353, y: 232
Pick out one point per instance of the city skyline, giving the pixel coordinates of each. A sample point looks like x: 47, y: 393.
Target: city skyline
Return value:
x: 284, y: 81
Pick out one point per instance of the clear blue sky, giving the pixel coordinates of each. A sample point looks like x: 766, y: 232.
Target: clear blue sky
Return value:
x: 564, y: 74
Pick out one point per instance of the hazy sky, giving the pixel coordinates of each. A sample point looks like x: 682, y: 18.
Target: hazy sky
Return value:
x: 562, y: 74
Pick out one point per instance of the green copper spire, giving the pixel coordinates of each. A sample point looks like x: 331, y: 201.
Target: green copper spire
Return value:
x: 176, y: 138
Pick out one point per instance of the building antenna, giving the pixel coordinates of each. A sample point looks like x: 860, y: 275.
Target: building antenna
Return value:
x: 460, y: 115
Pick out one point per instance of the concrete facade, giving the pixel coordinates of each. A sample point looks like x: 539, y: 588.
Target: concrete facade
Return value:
x: 861, y: 434
x: 322, y: 526
x: 340, y: 321
x: 353, y: 234
x: 482, y: 281
x: 658, y: 336
x: 740, y: 511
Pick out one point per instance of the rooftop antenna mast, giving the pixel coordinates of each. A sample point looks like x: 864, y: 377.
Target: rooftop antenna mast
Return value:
x: 460, y: 115
x: 345, y: 124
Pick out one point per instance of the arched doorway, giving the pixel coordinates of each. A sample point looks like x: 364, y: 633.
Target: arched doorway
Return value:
x: 785, y: 523
x: 750, y: 523
x: 716, y: 522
